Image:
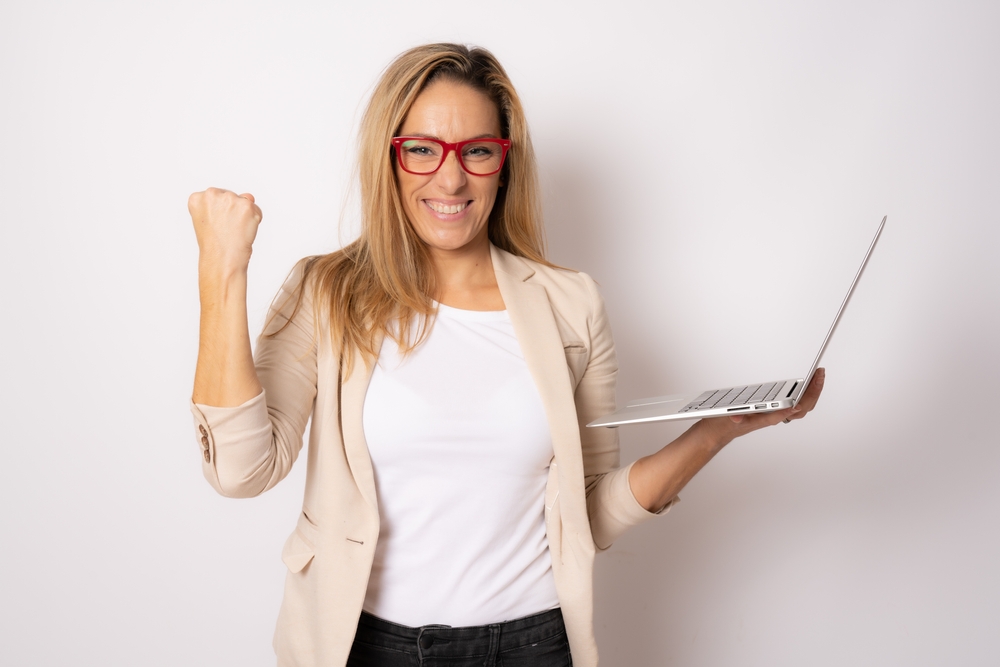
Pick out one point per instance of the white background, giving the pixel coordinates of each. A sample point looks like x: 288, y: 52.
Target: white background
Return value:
x: 718, y: 166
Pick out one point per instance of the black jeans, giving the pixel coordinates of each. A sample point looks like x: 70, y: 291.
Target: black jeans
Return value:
x: 533, y: 641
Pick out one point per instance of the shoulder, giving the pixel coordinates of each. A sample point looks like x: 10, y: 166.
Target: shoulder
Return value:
x: 294, y: 299
x: 301, y: 276
x: 567, y: 289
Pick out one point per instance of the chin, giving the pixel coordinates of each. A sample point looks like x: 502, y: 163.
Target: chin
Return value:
x: 452, y: 239
x: 449, y: 245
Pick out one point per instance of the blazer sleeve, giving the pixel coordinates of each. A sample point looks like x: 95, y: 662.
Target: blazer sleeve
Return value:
x: 249, y: 448
x: 610, y: 503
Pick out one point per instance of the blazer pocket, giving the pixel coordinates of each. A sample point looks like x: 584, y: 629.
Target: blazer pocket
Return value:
x: 577, y: 356
x: 300, y: 547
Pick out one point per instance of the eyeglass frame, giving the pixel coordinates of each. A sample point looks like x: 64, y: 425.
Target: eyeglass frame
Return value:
x: 397, y: 143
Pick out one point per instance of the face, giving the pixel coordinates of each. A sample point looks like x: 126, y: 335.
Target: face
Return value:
x: 450, y: 209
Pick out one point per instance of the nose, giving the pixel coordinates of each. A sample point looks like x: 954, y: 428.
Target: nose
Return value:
x: 451, y: 177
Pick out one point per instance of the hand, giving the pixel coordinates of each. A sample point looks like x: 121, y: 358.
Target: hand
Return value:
x: 728, y: 428
x: 226, y: 225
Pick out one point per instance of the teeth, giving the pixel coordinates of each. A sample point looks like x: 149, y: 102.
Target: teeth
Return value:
x: 442, y: 208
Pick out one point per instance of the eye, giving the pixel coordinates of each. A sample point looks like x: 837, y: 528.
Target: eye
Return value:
x: 481, y: 151
x: 421, y: 149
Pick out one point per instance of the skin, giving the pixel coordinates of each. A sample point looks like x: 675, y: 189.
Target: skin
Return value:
x: 458, y: 243
x: 658, y: 478
x: 226, y: 224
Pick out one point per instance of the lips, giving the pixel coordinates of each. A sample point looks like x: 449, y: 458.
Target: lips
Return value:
x: 446, y: 209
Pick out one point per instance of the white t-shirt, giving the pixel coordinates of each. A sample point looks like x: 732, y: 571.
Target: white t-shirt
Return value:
x: 461, y: 447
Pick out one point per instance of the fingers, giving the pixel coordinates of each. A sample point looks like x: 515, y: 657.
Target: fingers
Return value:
x: 786, y: 416
x: 258, y: 215
x: 813, y: 391
x: 817, y: 379
x: 768, y: 418
x: 199, y: 203
x: 809, y: 399
x: 225, y: 225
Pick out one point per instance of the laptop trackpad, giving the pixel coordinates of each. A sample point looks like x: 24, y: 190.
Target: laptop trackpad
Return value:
x: 656, y: 400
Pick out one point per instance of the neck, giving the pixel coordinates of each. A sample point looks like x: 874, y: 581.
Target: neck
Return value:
x: 464, y: 278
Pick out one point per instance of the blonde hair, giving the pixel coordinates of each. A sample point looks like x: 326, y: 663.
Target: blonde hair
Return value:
x: 378, y: 283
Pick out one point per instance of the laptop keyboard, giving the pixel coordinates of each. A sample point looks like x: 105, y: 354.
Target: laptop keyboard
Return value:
x: 747, y: 394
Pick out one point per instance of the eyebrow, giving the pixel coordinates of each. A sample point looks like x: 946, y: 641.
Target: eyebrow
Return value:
x: 488, y: 135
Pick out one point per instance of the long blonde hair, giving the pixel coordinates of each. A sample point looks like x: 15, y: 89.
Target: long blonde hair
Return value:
x: 375, y: 285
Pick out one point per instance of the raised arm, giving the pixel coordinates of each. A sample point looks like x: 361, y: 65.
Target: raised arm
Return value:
x: 249, y: 413
x: 226, y: 225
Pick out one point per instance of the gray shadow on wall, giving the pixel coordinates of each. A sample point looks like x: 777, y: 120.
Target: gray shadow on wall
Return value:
x: 585, y: 231
x: 577, y: 218
x: 656, y: 586
x: 582, y: 234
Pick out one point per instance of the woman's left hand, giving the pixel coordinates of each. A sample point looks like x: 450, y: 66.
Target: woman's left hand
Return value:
x: 737, y: 425
x: 659, y: 477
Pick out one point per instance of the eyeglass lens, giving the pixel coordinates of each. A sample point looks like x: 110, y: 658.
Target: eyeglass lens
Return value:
x: 424, y: 157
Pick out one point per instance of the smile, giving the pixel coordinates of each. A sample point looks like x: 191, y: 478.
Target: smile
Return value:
x: 446, y: 208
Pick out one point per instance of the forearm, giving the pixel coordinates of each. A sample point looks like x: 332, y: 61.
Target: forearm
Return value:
x: 225, y: 375
x: 658, y: 478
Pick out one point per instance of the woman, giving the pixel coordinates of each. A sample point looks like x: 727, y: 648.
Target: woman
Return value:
x: 448, y: 370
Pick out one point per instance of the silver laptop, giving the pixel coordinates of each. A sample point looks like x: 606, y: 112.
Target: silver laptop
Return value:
x: 751, y: 398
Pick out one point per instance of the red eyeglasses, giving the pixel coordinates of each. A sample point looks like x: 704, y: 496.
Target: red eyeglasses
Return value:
x: 422, y: 156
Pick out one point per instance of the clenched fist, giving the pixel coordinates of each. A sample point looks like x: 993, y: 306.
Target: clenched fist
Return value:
x: 226, y: 225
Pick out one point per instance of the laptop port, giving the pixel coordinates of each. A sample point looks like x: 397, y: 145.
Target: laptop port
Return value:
x: 760, y: 406
x: 774, y: 405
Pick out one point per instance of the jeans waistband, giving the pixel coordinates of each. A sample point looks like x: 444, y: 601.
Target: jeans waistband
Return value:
x: 443, y: 641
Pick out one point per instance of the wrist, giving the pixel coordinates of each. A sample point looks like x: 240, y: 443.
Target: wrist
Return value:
x: 222, y: 286
x: 714, y: 433
x: 215, y: 268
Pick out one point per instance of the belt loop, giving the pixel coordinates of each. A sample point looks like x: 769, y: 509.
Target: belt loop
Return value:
x: 420, y: 650
x: 493, y: 653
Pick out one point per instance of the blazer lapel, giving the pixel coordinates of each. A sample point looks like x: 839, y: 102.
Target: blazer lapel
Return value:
x: 535, y: 326
x: 538, y: 335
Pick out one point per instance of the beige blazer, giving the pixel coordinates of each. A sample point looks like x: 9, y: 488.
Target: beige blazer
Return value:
x: 560, y: 323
